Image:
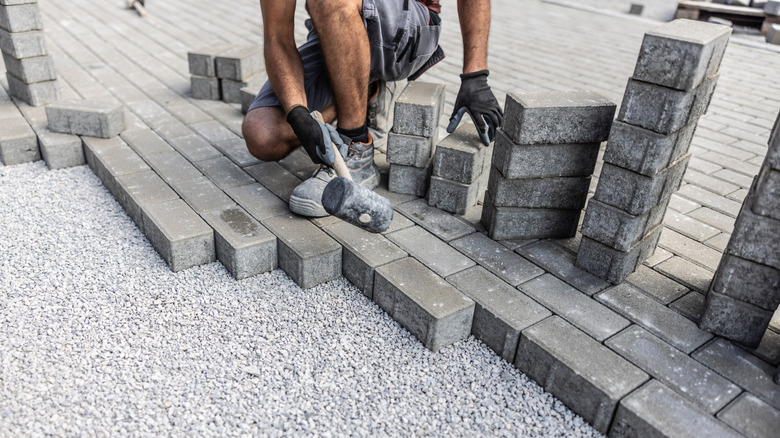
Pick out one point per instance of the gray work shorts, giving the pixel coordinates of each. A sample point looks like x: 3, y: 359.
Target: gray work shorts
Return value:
x: 401, y: 40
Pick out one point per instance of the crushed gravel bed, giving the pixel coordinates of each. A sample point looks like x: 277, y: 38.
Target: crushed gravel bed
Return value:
x: 99, y: 338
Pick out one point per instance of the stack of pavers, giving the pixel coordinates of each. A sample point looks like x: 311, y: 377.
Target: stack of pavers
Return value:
x: 542, y: 163
x: 221, y: 72
x: 746, y: 290
x: 459, y: 170
x: 412, y: 140
x: 29, y: 67
x: 646, y: 155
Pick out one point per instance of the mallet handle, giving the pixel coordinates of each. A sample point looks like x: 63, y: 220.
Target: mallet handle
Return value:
x: 339, y: 166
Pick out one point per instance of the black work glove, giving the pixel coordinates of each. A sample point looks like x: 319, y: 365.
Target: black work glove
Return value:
x: 315, y: 136
x: 476, y: 98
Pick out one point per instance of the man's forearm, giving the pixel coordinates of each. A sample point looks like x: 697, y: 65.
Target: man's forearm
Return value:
x: 285, y: 72
x: 474, y: 17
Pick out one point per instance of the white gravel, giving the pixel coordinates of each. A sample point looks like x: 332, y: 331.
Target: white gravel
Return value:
x: 99, y: 338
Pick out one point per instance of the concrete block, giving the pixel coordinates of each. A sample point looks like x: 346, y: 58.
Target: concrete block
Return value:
x: 560, y: 263
x: 409, y: 180
x: 244, y: 247
x: 453, y: 196
x: 37, y: 94
x: 564, y: 192
x: 664, y: 110
x: 678, y: 371
x: 773, y: 34
x: 239, y: 63
x: 742, y: 368
x: 543, y: 160
x: 635, y: 193
x: 751, y: 417
x: 145, y: 142
x: 172, y: 166
x: 18, y: 142
x: 201, y: 61
x: 528, y: 223
x: 21, y: 18
x: 748, y: 281
x: 60, y: 151
x: 113, y: 161
x: 431, y: 309
x: 410, y: 150
x: 613, y: 265
x: 497, y: 258
x: 767, y: 201
x: 620, y: 230
x: 433, y: 252
x: 31, y: 70
x: 178, y: 234
x: 362, y: 253
x: 772, y: 7
x: 588, y: 315
x: 194, y: 148
x: 418, y: 109
x: 231, y: 90
x: 205, y: 88
x: 247, y: 96
x: 461, y: 157
x: 275, y: 178
x: 644, y: 151
x: 140, y: 189
x: 236, y: 150
x: 443, y: 225
x: 755, y: 237
x: 657, y: 411
x: 202, y: 195
x: 306, y: 253
x: 258, y: 201
x: 224, y: 173
x: 213, y: 131
x: 23, y: 44
x: 94, y: 146
x: 734, y: 319
x: 586, y: 376
x: 557, y: 117
x: 83, y: 117
x: 501, y: 311
x: 681, y: 54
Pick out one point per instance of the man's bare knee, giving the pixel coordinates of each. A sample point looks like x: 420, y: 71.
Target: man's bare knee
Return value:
x: 268, y: 137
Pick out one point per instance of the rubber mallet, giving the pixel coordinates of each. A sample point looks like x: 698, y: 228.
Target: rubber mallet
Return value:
x: 352, y: 202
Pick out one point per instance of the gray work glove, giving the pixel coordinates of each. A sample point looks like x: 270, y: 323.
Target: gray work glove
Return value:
x: 477, y: 99
x: 315, y: 136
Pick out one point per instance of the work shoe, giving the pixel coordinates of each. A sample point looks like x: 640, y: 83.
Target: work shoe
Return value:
x: 306, y: 199
x: 381, y: 103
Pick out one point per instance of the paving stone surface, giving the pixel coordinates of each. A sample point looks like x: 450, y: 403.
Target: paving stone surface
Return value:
x: 100, y: 55
x: 674, y: 368
x: 655, y: 317
x: 584, y: 374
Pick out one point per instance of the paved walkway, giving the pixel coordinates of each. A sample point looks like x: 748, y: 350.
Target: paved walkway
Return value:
x: 103, y: 52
